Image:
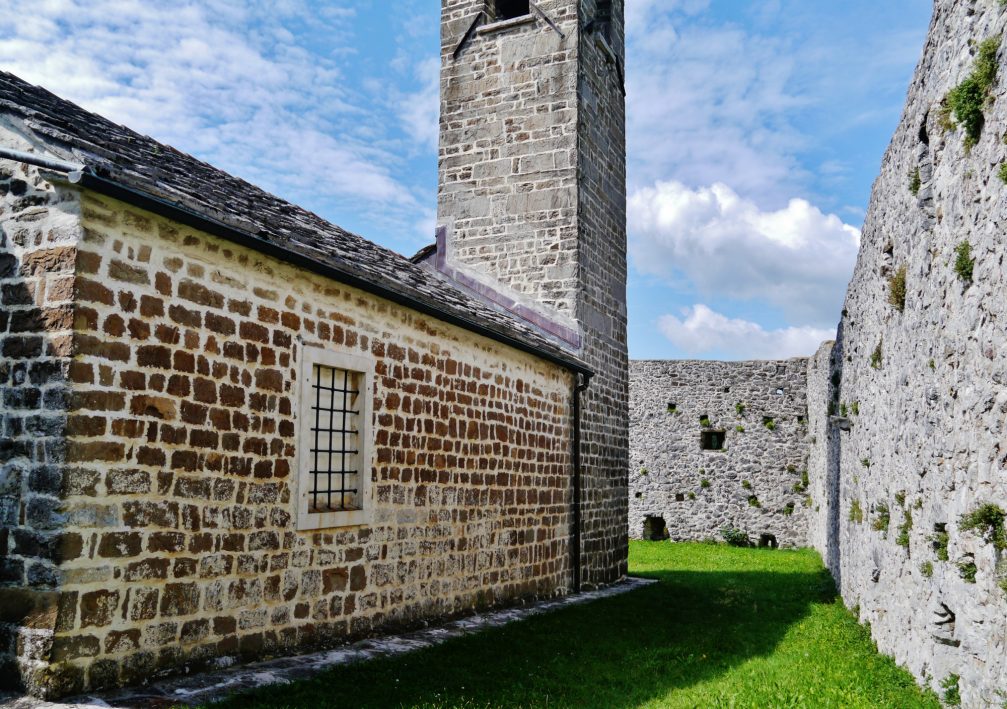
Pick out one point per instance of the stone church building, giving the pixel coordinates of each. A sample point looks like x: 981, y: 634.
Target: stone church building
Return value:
x: 231, y: 429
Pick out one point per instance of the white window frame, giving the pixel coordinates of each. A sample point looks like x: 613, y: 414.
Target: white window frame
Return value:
x: 363, y: 366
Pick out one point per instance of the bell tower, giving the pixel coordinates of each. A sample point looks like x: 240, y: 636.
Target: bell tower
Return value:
x: 532, y: 204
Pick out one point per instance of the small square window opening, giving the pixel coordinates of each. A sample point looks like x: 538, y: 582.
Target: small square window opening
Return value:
x: 712, y: 440
x: 509, y: 9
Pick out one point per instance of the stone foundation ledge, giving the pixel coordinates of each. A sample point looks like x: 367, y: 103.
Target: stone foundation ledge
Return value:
x: 210, y: 686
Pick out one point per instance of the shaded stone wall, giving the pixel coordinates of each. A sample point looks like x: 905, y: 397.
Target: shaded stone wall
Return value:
x: 38, y: 239
x: 183, y: 427
x: 532, y: 192
x: 756, y: 484
x: 929, y: 381
x: 823, y: 469
x: 601, y: 305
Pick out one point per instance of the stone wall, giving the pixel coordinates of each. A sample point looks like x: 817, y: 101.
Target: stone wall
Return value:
x: 38, y: 237
x: 532, y: 192
x: 755, y: 484
x: 823, y: 471
x: 928, y: 382
x: 182, y: 449
x: 601, y: 306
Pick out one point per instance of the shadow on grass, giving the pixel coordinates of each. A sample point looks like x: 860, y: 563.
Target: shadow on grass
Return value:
x: 617, y: 652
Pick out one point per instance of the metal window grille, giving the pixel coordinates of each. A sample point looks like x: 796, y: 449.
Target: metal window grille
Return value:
x: 335, y: 452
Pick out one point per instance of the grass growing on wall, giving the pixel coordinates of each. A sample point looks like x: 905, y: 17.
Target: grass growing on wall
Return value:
x: 964, y: 263
x: 897, y: 290
x: 723, y: 627
x: 967, y: 100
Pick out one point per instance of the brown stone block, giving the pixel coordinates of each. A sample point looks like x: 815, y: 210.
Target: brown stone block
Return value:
x: 224, y: 625
x: 254, y: 332
x: 153, y: 356
x: 200, y: 294
x: 150, y: 514
x: 143, y: 603
x: 358, y: 578
x: 119, y: 544
x: 24, y: 347
x: 134, y: 381
x: 232, y: 396
x: 169, y: 542
x: 122, y: 271
x: 101, y: 347
x: 183, y: 568
x: 72, y: 647
x: 90, y: 451
x: 192, y: 413
x: 152, y: 406
x: 147, y: 569
x: 114, y: 325
x: 184, y: 316
x: 58, y: 290
x: 194, y: 631
x: 127, y: 482
x: 42, y: 261
x: 118, y: 642
x: 138, y: 329
x: 184, y: 361
x: 204, y: 390
x: 97, y: 608
x: 127, y: 301
x: 197, y: 488
x: 162, y: 283
x: 150, y: 456
x: 204, y: 439
x: 184, y: 460
x: 335, y: 580
x: 151, y: 307
x: 88, y: 262
x: 86, y: 426
x: 81, y: 373
x: 179, y: 599
x: 88, y: 291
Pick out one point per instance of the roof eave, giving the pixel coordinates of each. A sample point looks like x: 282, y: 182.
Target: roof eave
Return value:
x: 189, y: 217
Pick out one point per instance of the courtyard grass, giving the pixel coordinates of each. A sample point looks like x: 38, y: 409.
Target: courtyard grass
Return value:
x: 724, y: 627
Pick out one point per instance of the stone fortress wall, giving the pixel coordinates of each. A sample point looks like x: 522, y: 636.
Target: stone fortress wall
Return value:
x: 756, y: 484
x: 910, y: 487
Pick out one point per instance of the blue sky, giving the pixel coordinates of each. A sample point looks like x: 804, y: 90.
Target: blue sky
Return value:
x: 755, y: 131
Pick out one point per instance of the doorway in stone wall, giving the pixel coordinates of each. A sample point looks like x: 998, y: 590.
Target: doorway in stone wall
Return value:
x: 655, y: 529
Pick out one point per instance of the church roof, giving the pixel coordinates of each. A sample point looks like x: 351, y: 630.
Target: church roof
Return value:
x: 121, y: 163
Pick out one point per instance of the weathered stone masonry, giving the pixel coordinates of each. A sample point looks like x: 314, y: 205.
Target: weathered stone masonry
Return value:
x: 532, y: 193
x: 169, y: 511
x: 757, y: 483
x: 925, y: 442
x: 39, y: 231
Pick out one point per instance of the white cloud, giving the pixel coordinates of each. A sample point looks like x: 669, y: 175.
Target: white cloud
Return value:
x: 701, y: 331
x: 709, y: 103
x: 233, y: 82
x: 796, y: 258
x: 420, y: 111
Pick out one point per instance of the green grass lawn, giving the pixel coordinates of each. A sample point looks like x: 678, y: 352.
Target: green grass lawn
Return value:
x: 725, y: 627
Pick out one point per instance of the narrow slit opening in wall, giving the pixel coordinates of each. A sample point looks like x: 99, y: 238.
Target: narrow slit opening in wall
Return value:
x: 712, y: 440
x: 603, y: 19
x: 509, y: 9
x: 335, y: 450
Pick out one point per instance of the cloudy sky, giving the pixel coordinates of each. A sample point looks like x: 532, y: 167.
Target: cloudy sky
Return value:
x: 755, y: 132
